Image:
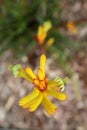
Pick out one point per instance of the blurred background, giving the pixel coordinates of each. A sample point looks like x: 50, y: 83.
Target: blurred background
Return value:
x: 66, y: 57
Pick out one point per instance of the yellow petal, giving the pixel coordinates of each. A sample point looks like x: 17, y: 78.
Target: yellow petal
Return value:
x: 49, y: 106
x: 30, y: 73
x: 41, y: 35
x: 35, y: 102
x: 52, y: 83
x: 40, y: 31
x: 56, y: 94
x: 47, y: 26
x: 36, y: 82
x: 42, y: 63
x: 22, y: 73
x: 50, y: 42
x: 23, y: 101
x: 40, y: 74
x: 41, y: 39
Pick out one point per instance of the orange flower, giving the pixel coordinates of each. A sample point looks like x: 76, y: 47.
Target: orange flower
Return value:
x: 71, y: 27
x: 42, y: 87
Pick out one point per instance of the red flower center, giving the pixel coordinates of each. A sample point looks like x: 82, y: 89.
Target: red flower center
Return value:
x: 40, y: 84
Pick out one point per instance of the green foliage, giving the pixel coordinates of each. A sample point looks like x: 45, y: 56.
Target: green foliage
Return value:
x: 15, y: 24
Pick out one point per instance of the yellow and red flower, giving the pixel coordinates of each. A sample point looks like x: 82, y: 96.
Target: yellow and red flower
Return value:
x: 42, y: 34
x: 43, y: 88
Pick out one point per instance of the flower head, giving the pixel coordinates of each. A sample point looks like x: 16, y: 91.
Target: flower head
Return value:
x: 71, y: 27
x: 42, y: 34
x: 43, y: 88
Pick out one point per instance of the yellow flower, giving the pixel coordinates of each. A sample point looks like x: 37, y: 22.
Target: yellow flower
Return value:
x: 71, y: 27
x: 43, y: 88
x: 42, y: 33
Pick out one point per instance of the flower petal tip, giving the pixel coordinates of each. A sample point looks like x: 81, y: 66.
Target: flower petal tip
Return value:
x: 51, y: 113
